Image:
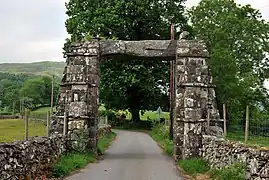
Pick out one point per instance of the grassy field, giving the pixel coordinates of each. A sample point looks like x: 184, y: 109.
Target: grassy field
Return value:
x: 253, y: 140
x: 36, y: 68
x: 11, y: 130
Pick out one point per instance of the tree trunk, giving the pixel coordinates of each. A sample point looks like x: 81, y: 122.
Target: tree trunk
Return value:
x: 135, y: 115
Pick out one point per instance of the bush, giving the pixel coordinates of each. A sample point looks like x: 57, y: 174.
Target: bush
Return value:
x: 235, y: 172
x: 5, y: 113
x: 193, y: 166
x: 102, y: 112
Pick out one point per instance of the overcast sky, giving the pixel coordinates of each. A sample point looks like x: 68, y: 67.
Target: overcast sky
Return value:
x: 33, y: 30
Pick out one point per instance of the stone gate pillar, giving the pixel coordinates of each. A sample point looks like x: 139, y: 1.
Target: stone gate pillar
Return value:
x: 79, y: 95
x: 195, y: 97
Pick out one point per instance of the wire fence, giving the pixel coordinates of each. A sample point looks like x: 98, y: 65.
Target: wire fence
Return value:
x: 258, y: 131
x: 247, y: 130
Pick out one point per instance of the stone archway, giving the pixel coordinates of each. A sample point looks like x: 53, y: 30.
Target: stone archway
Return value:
x: 78, y: 97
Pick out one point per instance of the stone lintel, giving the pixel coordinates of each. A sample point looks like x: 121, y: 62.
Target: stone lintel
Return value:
x: 147, y: 48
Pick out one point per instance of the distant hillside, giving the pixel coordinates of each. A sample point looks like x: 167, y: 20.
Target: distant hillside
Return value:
x: 36, y: 68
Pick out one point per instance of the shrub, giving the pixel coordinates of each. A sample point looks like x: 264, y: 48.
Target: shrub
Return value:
x: 235, y: 172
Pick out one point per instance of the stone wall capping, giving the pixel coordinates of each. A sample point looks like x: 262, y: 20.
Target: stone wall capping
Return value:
x: 196, y: 85
x: 80, y: 54
x: 78, y: 83
x: 197, y: 120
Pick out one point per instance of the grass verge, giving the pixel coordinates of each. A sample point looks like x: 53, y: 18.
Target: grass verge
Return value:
x: 197, y: 168
x: 77, y: 160
x: 161, y: 135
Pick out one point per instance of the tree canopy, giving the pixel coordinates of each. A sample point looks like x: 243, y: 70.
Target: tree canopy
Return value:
x: 238, y: 40
x: 126, y: 84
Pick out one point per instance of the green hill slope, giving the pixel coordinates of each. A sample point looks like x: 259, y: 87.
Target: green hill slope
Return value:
x: 36, y: 68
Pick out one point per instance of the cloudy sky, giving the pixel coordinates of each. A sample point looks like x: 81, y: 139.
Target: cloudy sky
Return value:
x: 33, y: 30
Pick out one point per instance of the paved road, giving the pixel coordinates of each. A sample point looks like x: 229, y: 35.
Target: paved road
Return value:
x: 133, y: 156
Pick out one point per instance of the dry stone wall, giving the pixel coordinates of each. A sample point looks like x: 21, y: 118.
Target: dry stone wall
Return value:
x: 220, y: 153
x: 29, y: 159
x: 34, y: 158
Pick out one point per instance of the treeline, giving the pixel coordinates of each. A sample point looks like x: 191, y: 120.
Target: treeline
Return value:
x: 29, y: 91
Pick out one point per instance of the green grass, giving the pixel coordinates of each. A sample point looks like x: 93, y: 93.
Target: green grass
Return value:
x: 77, y: 160
x: 193, y: 166
x: 234, y: 172
x: 13, y: 129
x: 161, y: 135
x: 72, y: 161
x: 105, y: 141
x: 252, y: 141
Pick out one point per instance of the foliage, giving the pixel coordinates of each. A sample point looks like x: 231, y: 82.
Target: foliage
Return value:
x: 9, y: 90
x: 77, y: 160
x: 238, y: 40
x: 235, y: 172
x: 127, y: 84
x: 13, y: 129
x: 193, y: 166
x: 37, y: 91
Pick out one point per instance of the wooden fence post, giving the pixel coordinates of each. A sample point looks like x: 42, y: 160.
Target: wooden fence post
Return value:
x: 106, y: 120
x: 26, y: 125
x: 13, y: 111
x: 52, y: 94
x: 48, y: 123
x: 224, y: 121
x: 247, y: 125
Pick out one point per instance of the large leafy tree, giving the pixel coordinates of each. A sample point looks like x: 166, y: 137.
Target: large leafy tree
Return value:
x: 135, y: 85
x: 10, y: 85
x: 238, y: 40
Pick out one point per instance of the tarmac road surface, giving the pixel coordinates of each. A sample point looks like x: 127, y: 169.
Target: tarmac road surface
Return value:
x: 133, y: 156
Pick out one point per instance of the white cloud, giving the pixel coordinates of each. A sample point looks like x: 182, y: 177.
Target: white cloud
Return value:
x: 31, y: 30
